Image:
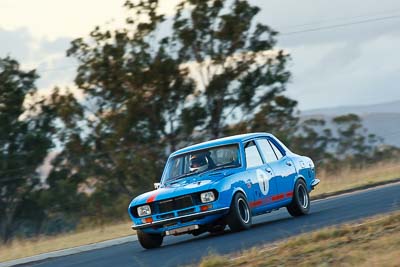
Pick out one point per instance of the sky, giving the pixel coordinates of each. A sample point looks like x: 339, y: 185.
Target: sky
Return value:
x: 343, y: 52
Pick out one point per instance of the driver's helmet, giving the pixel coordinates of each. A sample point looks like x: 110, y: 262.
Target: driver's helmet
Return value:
x: 198, y: 162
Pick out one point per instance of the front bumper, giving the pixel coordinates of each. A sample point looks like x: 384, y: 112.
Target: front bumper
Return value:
x: 314, y: 183
x: 179, y: 218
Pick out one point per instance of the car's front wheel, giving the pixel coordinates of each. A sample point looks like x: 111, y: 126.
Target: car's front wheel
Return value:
x: 239, y: 216
x: 300, y: 204
x: 149, y: 241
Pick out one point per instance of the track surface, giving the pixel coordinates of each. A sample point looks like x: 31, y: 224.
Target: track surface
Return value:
x: 278, y: 225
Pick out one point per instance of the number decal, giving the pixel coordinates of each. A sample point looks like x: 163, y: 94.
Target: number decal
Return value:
x: 263, y: 181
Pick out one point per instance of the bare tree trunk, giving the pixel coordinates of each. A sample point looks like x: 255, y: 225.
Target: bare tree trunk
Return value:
x: 8, y: 223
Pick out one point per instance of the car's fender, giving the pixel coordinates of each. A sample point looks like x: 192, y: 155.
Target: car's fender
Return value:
x: 300, y: 177
x: 228, y: 186
x: 238, y: 189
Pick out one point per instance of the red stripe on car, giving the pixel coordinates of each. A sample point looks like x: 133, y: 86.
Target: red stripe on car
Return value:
x: 289, y: 194
x: 152, y: 198
x: 278, y: 197
x: 271, y: 199
x: 255, y: 203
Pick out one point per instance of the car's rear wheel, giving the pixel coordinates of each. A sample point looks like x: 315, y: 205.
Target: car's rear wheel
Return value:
x: 149, y: 241
x: 300, y: 204
x: 239, y: 216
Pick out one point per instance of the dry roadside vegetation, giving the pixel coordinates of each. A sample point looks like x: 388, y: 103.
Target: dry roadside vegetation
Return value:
x: 349, y: 178
x: 374, y: 242
x: 344, y: 179
x: 25, y: 248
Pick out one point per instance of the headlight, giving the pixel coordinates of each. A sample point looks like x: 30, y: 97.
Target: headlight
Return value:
x: 207, y: 197
x: 143, y: 210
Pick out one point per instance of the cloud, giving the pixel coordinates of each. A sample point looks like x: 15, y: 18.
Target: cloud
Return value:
x: 48, y: 57
x: 55, y: 46
x: 15, y: 43
x: 353, y: 64
x: 38, y: 33
x: 73, y: 18
x: 290, y: 15
x: 54, y: 19
x: 347, y: 65
x: 346, y: 76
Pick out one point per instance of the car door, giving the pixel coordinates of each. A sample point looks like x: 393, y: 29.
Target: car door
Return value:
x: 262, y: 183
x: 281, y: 165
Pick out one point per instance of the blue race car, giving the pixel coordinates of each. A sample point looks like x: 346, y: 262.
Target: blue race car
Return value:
x: 222, y: 182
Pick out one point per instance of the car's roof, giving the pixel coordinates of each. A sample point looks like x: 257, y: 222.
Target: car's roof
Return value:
x: 221, y: 141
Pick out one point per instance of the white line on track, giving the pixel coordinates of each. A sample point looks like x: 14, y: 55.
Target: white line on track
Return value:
x: 122, y: 240
x: 356, y: 192
x: 70, y: 251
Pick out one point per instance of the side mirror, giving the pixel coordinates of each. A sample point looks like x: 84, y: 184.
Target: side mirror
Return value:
x: 156, y: 185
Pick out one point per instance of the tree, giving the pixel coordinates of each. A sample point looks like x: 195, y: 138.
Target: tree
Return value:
x: 25, y: 138
x: 278, y: 116
x: 340, y: 141
x: 314, y: 139
x: 114, y: 140
x: 63, y: 200
x: 354, y: 143
x: 137, y: 89
x: 233, y: 58
x: 142, y: 95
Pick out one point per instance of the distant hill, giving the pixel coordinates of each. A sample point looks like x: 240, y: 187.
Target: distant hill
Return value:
x: 381, y: 119
x: 388, y: 107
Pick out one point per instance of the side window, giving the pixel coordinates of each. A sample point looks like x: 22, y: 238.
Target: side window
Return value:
x: 266, y: 150
x: 253, y: 158
x: 278, y: 153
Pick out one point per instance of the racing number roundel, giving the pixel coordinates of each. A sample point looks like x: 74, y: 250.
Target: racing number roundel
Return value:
x: 263, y: 181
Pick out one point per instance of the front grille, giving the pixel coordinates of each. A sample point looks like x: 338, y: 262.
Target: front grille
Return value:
x: 166, y: 205
x: 175, y: 204
x: 167, y: 216
x: 184, y: 212
x: 183, y: 202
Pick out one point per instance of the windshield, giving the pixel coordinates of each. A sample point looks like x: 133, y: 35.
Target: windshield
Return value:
x: 202, y: 160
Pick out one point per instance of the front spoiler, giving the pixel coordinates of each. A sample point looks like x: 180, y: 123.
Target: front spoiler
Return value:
x: 188, y: 217
x: 314, y: 183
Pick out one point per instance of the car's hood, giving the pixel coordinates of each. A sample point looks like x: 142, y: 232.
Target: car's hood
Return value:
x: 191, y: 184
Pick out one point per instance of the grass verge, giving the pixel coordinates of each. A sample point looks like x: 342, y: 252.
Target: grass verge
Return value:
x: 29, y: 247
x: 374, y: 242
x: 344, y: 180
x: 350, y: 179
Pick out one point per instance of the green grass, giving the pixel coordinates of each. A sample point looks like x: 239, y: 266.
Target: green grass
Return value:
x: 375, y: 242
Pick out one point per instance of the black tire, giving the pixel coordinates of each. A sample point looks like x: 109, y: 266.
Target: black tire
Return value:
x: 239, y: 216
x: 217, y: 229
x: 300, y: 204
x: 149, y: 241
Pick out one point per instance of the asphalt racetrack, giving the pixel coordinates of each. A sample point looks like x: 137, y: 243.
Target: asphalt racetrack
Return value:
x: 266, y: 228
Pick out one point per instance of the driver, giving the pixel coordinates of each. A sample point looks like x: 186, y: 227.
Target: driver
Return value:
x: 198, y: 163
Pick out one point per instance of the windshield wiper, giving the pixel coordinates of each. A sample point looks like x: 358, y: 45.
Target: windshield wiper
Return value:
x: 220, y: 168
x: 175, y: 179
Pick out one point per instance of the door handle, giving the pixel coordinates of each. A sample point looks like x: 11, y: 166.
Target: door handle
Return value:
x: 269, y: 170
x: 289, y: 163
